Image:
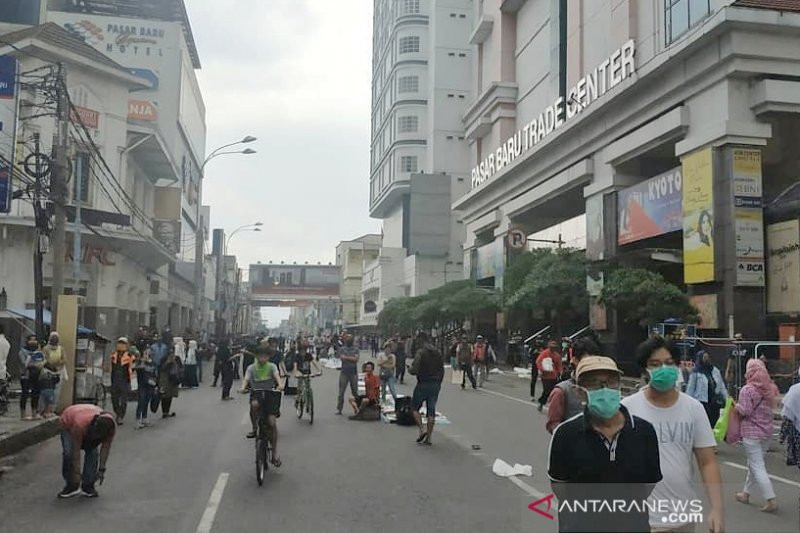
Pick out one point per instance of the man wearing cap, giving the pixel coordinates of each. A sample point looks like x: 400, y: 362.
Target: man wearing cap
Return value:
x: 121, y: 371
x: 602, y: 457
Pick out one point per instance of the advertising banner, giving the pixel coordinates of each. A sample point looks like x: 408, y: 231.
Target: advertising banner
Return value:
x: 748, y: 217
x: 707, y: 306
x: 8, y: 106
x: 5, y: 189
x: 651, y: 208
x: 595, y: 246
x: 783, y: 267
x: 698, y: 217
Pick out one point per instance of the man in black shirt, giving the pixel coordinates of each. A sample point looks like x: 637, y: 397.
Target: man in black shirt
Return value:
x: 604, y: 462
x: 428, y: 366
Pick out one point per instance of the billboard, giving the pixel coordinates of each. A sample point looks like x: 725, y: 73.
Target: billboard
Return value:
x: 748, y: 217
x: 651, y: 208
x: 698, y: 217
x: 783, y: 267
x: 707, y: 306
x: 8, y: 107
x: 294, y: 281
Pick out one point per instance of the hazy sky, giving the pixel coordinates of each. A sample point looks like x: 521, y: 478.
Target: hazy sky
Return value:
x: 296, y: 74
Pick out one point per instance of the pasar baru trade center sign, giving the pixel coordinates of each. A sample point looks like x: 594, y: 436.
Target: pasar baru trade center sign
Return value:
x: 607, y: 75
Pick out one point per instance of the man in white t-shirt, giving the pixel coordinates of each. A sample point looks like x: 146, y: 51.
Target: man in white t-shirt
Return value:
x: 683, y: 430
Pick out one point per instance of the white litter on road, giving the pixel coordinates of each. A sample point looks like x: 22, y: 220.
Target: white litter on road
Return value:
x: 496, y: 371
x: 503, y: 469
x: 332, y: 363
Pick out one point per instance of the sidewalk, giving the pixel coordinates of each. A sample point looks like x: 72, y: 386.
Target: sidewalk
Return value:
x: 17, y: 434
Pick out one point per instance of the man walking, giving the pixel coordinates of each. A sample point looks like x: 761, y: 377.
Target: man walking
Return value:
x: 606, y: 455
x: 348, y: 375
x: 400, y: 353
x: 480, y: 355
x: 121, y: 371
x: 464, y: 358
x: 428, y: 366
x: 84, y: 427
x: 550, y: 367
x: 567, y: 399
x: 5, y: 347
x: 683, y: 431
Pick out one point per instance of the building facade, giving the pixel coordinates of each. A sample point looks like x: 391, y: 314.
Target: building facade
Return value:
x: 665, y: 125
x: 421, y: 75
x: 351, y: 258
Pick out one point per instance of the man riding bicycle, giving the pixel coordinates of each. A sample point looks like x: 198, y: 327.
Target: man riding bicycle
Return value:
x: 263, y: 375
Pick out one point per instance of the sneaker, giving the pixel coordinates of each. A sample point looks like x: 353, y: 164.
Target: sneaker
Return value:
x: 251, y: 435
x: 139, y: 425
x: 540, y: 407
x: 338, y: 412
x: 89, y: 492
x: 69, y: 492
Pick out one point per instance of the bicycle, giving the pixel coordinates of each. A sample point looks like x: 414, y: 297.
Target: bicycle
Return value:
x: 304, y: 401
x: 264, y: 432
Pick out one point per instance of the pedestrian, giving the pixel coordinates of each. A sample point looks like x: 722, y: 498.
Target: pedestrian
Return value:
x: 428, y: 366
x: 146, y: 381
x: 158, y: 351
x: 604, y: 454
x: 169, y: 382
x: 370, y: 398
x: 790, y: 429
x: 387, y: 362
x: 534, y: 370
x: 226, y: 361
x: 706, y: 386
x: 190, y: 363
x: 121, y: 372
x: 84, y: 427
x: 550, y: 368
x: 48, y: 379
x: 756, y: 401
x: 31, y: 360
x: 5, y: 347
x: 54, y: 355
x: 348, y: 375
x: 374, y: 345
x: 464, y: 358
x: 684, y: 437
x: 479, y: 359
x: 400, y: 355
x: 567, y: 399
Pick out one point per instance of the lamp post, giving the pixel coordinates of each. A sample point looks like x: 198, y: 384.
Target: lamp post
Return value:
x: 199, y: 256
x: 223, y: 294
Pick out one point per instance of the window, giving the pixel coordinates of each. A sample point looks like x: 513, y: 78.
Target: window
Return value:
x: 409, y: 44
x: 407, y: 124
x: 408, y: 84
x: 81, y: 170
x: 410, y: 7
x: 680, y: 15
x: 408, y: 163
x: 20, y: 11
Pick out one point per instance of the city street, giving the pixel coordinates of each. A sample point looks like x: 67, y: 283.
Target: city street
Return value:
x: 195, y: 473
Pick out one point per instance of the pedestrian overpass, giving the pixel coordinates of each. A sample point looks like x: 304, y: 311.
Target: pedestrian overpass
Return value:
x: 292, y: 285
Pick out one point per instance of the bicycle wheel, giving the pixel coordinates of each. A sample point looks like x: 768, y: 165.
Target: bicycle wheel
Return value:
x: 310, y: 407
x: 261, y: 460
x: 299, y: 405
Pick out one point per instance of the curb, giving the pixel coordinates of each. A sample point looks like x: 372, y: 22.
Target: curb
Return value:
x: 16, y: 442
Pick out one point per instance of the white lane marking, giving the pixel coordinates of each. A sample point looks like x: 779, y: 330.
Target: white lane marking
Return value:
x: 506, y: 396
x: 529, y: 490
x: 776, y: 478
x: 207, y: 521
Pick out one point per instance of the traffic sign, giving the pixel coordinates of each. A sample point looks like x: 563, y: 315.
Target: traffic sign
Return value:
x: 517, y: 239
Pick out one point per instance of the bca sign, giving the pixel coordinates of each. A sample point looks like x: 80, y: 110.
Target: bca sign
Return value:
x: 517, y: 239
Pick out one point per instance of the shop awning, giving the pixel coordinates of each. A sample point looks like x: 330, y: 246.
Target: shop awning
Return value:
x: 30, y: 314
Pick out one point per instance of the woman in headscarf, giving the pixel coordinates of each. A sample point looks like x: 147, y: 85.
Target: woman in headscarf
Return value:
x: 190, y: 366
x: 169, y: 381
x: 756, y: 401
x: 790, y: 430
x: 706, y: 386
x: 54, y: 358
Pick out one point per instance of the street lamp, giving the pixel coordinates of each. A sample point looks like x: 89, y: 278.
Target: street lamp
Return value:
x: 256, y: 226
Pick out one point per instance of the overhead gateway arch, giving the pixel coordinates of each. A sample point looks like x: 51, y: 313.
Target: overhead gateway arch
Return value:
x: 281, y: 285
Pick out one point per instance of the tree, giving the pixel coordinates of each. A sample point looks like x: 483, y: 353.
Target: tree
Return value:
x: 645, y: 297
x: 554, y: 281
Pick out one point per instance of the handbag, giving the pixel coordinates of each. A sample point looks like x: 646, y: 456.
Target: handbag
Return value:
x: 155, y: 400
x: 734, y: 433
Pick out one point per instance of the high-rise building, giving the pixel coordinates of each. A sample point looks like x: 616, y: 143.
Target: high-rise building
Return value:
x: 420, y: 89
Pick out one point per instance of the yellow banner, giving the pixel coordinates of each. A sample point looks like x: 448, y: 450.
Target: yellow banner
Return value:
x: 698, y: 217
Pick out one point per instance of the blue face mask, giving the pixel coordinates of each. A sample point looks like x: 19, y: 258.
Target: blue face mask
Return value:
x: 604, y: 403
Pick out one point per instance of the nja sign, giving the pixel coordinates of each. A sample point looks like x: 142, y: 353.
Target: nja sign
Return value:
x: 607, y: 75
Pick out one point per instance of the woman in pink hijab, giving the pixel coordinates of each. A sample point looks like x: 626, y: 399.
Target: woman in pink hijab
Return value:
x: 756, y: 401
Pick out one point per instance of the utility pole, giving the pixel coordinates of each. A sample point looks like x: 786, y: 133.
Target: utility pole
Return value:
x: 76, y: 235
x: 199, y: 260
x: 58, y: 180
x: 39, y: 244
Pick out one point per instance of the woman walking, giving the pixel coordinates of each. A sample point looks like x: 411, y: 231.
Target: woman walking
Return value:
x: 756, y: 400
x: 31, y: 360
x: 790, y: 430
x: 387, y: 362
x: 706, y: 386
x: 190, y: 380
x: 146, y: 379
x: 169, y: 381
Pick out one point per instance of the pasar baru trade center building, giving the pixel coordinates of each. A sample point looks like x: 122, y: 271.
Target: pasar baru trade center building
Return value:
x: 666, y: 128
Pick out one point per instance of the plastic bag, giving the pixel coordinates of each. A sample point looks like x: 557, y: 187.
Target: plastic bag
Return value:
x: 721, y: 427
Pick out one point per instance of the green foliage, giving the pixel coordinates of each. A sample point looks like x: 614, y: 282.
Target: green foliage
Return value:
x: 645, y: 297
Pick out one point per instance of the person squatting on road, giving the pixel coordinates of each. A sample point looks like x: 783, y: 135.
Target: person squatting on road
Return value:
x: 371, y: 392
x: 84, y: 427
x: 121, y: 371
x: 348, y: 374
x: 428, y: 366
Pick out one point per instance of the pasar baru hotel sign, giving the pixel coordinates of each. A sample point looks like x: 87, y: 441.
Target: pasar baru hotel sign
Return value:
x: 607, y: 75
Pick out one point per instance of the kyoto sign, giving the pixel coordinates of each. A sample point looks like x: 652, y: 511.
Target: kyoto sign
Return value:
x: 651, y: 208
x: 606, y: 76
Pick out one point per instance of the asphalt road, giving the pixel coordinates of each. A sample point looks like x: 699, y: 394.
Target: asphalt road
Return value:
x: 195, y: 473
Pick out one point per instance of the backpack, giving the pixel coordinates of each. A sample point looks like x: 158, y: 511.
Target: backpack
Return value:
x: 289, y: 361
x: 404, y: 412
